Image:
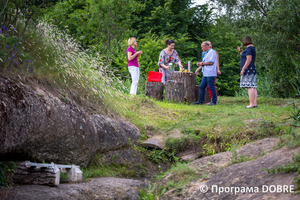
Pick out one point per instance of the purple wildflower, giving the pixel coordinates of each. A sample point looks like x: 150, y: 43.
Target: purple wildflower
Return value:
x: 30, y: 61
x: 88, y: 83
x: 6, y: 29
x: 26, y: 74
x: 7, y: 46
x: 95, y: 88
x: 0, y: 31
x: 86, y: 79
x: 18, y: 63
x: 98, y: 84
x: 19, y: 48
x: 88, y: 88
x: 30, y: 69
x: 25, y: 61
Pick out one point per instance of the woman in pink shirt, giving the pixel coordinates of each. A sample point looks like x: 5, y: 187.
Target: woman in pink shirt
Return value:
x: 133, y: 64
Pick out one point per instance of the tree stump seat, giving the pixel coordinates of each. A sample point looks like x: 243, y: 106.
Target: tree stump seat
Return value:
x: 189, y: 82
x: 174, y: 91
x: 154, y: 90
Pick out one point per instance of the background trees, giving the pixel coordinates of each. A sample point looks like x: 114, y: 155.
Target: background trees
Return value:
x: 105, y: 25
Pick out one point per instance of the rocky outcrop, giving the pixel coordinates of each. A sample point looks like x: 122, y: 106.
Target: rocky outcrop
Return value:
x: 99, y: 188
x: 41, y: 125
x: 224, y: 175
x: 250, y: 175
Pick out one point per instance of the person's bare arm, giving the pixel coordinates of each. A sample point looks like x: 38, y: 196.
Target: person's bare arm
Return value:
x: 247, y: 63
x: 131, y: 57
x: 218, y: 67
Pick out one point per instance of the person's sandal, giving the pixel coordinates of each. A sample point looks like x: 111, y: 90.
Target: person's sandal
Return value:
x: 250, y: 107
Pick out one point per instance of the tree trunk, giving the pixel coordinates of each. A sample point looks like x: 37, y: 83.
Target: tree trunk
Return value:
x: 189, y: 82
x: 154, y: 90
x: 174, y: 91
x: 206, y: 97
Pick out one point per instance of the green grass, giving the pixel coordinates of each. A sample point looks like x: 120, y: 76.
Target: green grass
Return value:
x: 217, y: 127
x: 177, y: 177
x: 108, y: 171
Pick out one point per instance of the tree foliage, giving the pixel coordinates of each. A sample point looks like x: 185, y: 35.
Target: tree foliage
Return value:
x: 173, y: 17
x: 13, y: 10
x: 96, y: 23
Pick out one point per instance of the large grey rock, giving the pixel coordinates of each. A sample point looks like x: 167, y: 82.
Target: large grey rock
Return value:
x: 35, y: 124
x: 99, y: 188
x: 249, y: 174
x: 246, y: 174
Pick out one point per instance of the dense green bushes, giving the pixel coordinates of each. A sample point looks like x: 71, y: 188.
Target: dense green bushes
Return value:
x: 106, y: 25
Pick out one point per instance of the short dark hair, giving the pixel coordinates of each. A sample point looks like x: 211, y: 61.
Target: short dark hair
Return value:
x: 247, y: 40
x: 168, y: 42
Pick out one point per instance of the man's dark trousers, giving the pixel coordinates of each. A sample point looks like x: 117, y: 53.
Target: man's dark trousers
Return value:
x: 210, y: 81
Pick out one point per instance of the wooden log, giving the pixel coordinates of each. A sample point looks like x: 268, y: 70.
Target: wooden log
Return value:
x: 154, y: 90
x: 37, y: 175
x: 174, y: 91
x: 189, y: 82
x: 206, y: 97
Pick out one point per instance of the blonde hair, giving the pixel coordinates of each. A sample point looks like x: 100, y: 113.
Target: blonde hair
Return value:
x: 131, y: 41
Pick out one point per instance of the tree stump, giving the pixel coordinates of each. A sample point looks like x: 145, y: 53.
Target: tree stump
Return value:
x: 206, y: 97
x: 37, y: 175
x: 154, y: 90
x: 174, y: 91
x: 189, y: 82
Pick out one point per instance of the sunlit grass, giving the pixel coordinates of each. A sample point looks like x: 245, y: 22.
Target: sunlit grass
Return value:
x: 219, y: 126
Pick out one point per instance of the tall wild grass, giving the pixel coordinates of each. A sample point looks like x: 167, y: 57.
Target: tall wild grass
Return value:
x: 46, y: 52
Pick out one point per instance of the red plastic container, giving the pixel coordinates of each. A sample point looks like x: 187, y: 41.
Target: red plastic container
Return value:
x: 154, y: 76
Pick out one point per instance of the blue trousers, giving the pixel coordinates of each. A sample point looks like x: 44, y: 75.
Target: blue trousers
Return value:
x: 210, y: 81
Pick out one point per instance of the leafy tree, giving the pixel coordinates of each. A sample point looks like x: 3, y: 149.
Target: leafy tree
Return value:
x: 96, y: 23
x: 173, y: 17
x: 13, y: 10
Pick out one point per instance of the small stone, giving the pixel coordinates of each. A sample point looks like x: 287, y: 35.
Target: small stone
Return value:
x: 153, y: 143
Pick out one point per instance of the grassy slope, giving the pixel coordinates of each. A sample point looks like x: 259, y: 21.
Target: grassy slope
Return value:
x: 220, y: 126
